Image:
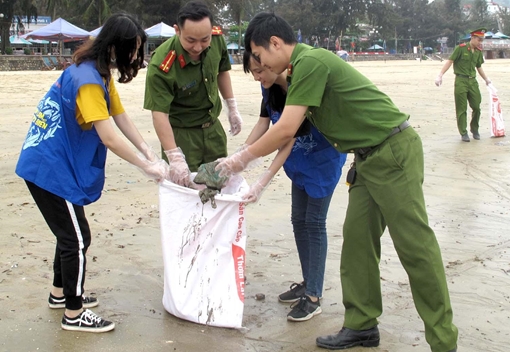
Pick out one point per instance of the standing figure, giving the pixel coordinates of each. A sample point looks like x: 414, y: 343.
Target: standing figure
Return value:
x: 465, y: 58
x: 183, y: 78
x: 385, y: 182
x: 314, y: 167
x: 63, y: 158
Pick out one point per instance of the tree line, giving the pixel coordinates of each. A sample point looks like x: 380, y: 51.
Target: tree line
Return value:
x: 397, y: 22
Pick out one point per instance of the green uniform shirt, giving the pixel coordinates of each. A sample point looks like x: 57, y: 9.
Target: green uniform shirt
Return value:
x: 345, y: 106
x: 188, y: 94
x: 465, y: 60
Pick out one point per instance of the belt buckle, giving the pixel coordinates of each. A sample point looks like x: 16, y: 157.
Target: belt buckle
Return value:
x: 206, y: 125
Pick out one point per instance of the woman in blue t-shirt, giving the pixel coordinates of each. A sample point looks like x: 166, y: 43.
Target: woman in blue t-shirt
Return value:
x: 63, y: 157
x: 314, y: 167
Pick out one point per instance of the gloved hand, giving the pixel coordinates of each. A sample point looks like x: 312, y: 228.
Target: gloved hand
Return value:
x: 148, y: 152
x: 488, y: 81
x: 233, y: 116
x: 156, y: 170
x: 256, y: 189
x: 439, y: 80
x: 236, y: 163
x: 179, y: 171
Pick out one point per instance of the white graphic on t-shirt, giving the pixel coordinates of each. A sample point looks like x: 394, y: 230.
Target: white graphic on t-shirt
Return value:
x: 45, y: 123
x: 305, y: 142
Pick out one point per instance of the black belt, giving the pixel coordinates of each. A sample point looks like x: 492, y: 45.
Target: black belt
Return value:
x: 363, y: 152
x: 464, y: 76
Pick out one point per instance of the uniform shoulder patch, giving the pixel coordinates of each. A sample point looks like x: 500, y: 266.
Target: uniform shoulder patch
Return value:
x: 168, y: 61
x: 463, y: 44
x: 216, y: 30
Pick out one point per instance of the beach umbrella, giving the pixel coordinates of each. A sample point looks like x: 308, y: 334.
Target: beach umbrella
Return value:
x: 160, y: 30
x: 499, y: 35
x: 376, y: 47
x: 489, y: 35
x: 14, y: 39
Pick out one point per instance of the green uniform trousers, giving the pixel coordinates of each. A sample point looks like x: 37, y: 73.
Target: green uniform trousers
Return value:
x: 388, y: 192
x: 201, y: 145
x: 467, y: 90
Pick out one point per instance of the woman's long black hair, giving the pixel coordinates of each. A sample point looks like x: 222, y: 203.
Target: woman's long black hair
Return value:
x: 119, y: 33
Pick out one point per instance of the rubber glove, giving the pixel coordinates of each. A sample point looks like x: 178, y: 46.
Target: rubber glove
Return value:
x: 439, y: 80
x: 156, y: 170
x: 234, y: 117
x: 148, y: 152
x: 256, y: 189
x: 236, y: 163
x: 179, y: 171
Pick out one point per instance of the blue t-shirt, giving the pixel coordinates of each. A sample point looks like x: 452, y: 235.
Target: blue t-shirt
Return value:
x: 57, y: 155
x: 313, y: 165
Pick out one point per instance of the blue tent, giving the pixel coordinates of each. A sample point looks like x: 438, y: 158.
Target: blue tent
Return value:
x: 160, y: 30
x: 58, y: 30
x: 233, y: 46
x: 96, y: 32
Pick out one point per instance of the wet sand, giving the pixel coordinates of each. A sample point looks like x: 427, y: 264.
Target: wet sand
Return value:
x: 467, y: 192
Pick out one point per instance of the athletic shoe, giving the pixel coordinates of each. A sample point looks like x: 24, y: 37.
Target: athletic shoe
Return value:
x: 87, y: 321
x: 60, y: 302
x: 304, y: 309
x: 295, y: 293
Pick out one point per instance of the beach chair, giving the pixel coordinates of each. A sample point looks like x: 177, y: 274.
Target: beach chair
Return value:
x: 48, y: 65
x: 56, y: 63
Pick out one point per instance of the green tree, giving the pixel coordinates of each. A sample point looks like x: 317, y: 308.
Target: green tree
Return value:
x: 54, y: 7
x: 12, y: 12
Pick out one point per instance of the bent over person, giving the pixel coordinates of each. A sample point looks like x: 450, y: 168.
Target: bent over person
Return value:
x: 385, y: 187
x: 465, y: 58
x: 63, y: 157
x: 181, y: 90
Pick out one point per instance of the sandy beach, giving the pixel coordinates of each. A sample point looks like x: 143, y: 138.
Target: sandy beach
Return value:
x: 467, y: 192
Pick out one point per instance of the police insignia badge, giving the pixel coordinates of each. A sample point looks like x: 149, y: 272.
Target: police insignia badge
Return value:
x: 167, y: 62
x: 216, y: 30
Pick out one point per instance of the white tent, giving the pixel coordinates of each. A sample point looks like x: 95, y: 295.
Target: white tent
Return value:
x: 160, y: 30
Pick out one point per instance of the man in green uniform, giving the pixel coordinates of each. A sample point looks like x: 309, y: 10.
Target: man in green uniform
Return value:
x: 465, y: 58
x: 386, y: 189
x: 181, y: 90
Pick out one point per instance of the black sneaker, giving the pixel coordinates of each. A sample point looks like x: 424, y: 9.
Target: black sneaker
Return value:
x: 295, y: 293
x: 60, y: 302
x: 304, y: 309
x: 87, y: 321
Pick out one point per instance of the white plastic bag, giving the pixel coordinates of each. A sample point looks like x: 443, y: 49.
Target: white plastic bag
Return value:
x: 204, y: 254
x: 496, y: 115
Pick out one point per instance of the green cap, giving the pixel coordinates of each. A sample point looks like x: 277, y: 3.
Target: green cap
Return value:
x: 480, y: 32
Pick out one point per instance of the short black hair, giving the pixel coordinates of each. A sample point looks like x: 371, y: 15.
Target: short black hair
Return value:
x: 265, y: 25
x: 119, y: 33
x: 193, y: 11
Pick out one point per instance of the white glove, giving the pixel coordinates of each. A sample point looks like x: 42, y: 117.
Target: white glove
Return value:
x: 233, y: 116
x: 156, y: 170
x: 236, y: 163
x: 488, y: 81
x: 439, y: 80
x: 148, y: 152
x: 255, y: 192
x: 179, y: 171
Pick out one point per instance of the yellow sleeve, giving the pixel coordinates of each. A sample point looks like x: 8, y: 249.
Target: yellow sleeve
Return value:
x: 91, y: 105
